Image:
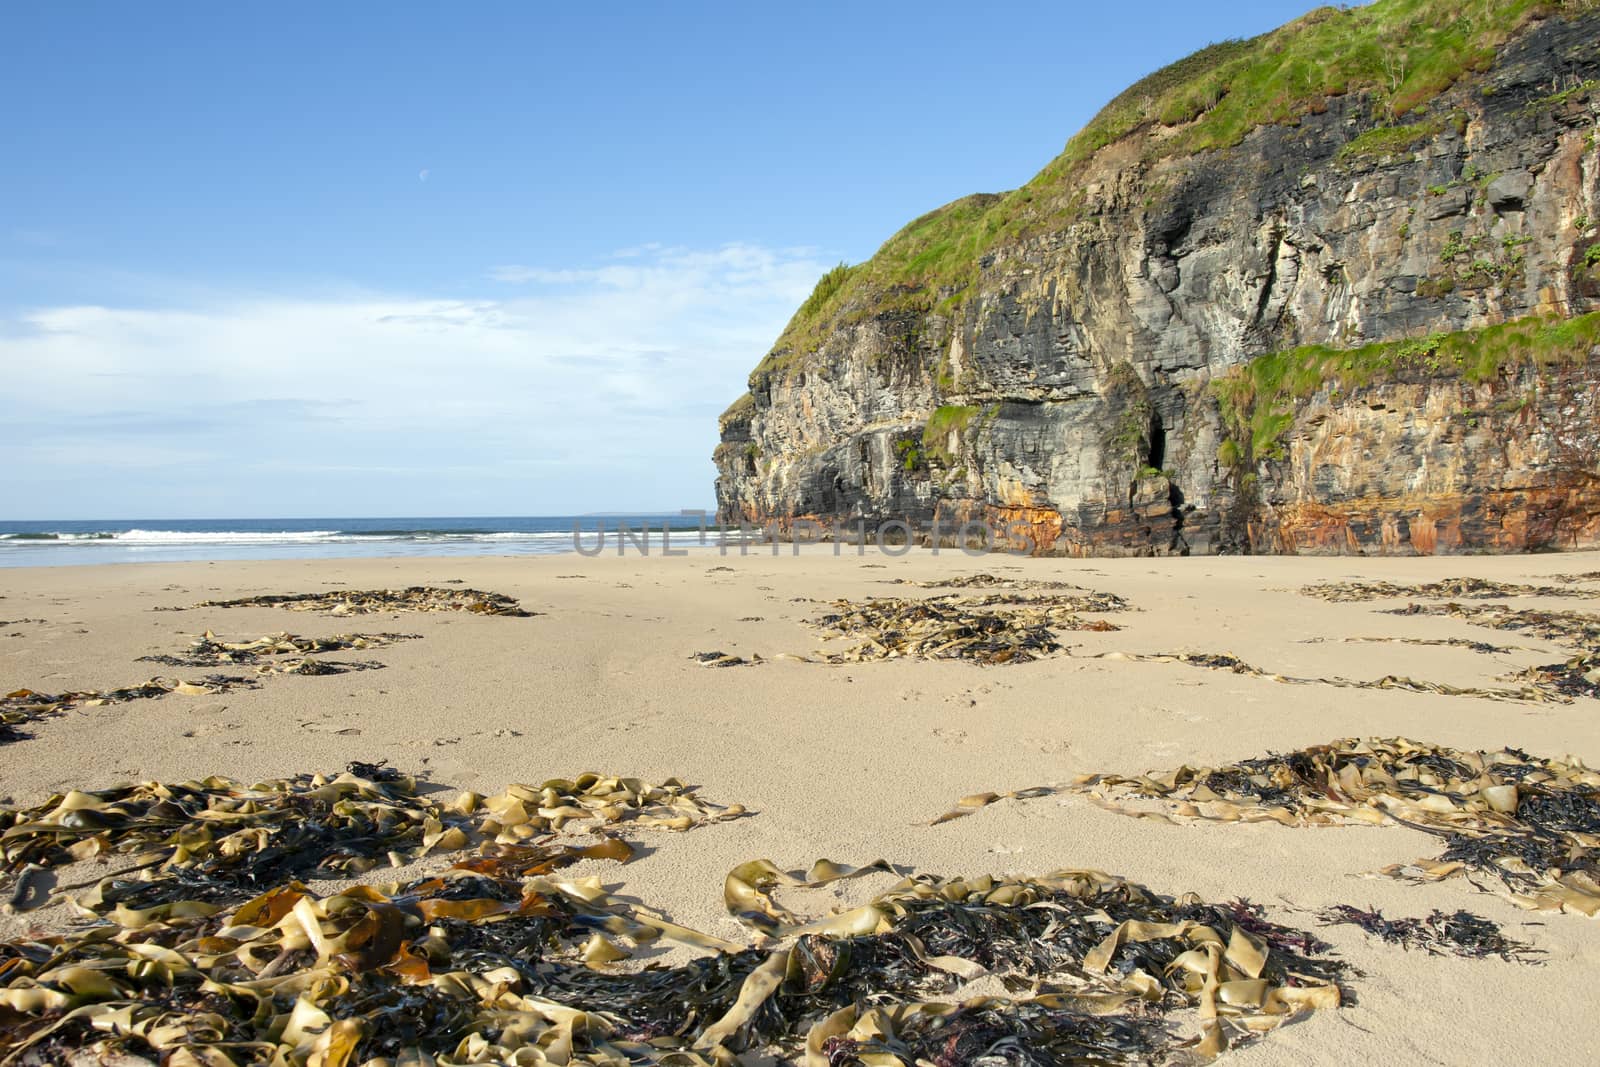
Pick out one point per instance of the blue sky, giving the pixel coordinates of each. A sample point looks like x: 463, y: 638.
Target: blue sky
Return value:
x: 298, y: 259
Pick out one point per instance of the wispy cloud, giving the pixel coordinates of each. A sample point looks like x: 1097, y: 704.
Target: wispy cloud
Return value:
x: 584, y: 387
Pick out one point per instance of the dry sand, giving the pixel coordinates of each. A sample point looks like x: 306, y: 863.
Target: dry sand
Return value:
x: 851, y: 762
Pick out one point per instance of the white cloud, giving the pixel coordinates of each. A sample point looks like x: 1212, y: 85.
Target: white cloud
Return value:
x: 585, y: 388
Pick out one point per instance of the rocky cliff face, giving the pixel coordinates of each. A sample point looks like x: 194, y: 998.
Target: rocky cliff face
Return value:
x: 1073, y: 383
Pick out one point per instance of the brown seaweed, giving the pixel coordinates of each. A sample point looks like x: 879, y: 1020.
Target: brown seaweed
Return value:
x: 221, y: 840
x: 933, y: 629
x: 1572, y: 628
x: 1558, y: 683
x: 1458, y: 933
x: 269, y: 653
x: 23, y: 706
x: 723, y: 659
x: 1446, y: 589
x: 476, y: 968
x: 280, y: 653
x: 1482, y: 647
x: 375, y: 601
x: 1525, y: 826
x: 984, y: 630
x: 1012, y: 621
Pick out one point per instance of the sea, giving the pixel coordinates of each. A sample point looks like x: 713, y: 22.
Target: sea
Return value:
x: 45, y: 543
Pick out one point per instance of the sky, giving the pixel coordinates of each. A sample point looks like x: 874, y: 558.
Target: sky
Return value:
x: 299, y: 259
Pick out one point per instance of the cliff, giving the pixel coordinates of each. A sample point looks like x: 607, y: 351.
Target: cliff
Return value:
x: 1326, y: 290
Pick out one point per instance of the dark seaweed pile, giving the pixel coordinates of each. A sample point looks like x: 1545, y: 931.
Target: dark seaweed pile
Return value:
x: 989, y: 629
x: 1461, y: 933
x: 24, y: 706
x: 405, y: 970
x: 271, y: 651
x: 1575, y: 629
x: 1575, y: 677
x: 221, y: 841
x: 934, y: 629
x: 374, y: 601
x: 1446, y: 589
x: 496, y: 956
x: 1527, y: 823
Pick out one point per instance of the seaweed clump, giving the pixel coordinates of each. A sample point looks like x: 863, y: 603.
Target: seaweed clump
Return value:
x: 723, y: 659
x: 1577, y: 676
x: 478, y: 968
x: 281, y: 653
x: 375, y: 601
x: 989, y: 629
x: 1530, y: 826
x: 1459, y: 933
x: 218, y: 953
x: 23, y: 706
x: 1558, y: 683
x: 933, y: 629
x: 1445, y: 589
x: 218, y: 840
x: 1572, y: 628
x: 275, y: 653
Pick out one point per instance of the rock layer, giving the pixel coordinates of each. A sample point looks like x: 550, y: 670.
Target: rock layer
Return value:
x: 1070, y: 387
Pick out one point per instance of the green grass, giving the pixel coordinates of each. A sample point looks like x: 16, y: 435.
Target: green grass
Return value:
x: 1404, y: 53
x: 826, y: 289
x: 1558, y: 99
x: 740, y: 408
x: 1392, y: 140
x: 1129, y: 435
x: 1259, y: 399
x: 945, y: 420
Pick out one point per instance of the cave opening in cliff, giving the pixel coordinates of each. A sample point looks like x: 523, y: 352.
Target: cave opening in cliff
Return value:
x: 1156, y: 457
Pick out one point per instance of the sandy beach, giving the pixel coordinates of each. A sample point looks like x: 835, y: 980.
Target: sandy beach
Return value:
x: 853, y: 761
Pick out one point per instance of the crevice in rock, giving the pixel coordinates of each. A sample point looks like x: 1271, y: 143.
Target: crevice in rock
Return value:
x: 1156, y: 452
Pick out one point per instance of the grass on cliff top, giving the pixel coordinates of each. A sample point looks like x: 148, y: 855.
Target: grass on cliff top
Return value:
x: 1403, y: 52
x: 1259, y: 399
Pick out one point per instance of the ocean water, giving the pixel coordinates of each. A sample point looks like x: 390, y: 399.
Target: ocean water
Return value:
x: 44, y: 544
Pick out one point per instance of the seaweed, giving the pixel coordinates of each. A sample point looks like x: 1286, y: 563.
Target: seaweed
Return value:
x: 23, y: 706
x: 1459, y: 933
x: 269, y: 653
x: 1526, y: 825
x: 281, y: 653
x: 1574, y: 629
x: 723, y: 659
x: 219, y: 840
x: 933, y: 629
x: 374, y: 601
x: 473, y: 968
x: 1446, y: 589
x: 1483, y: 647
x: 1558, y: 683
x: 1577, y: 676
x: 1012, y: 622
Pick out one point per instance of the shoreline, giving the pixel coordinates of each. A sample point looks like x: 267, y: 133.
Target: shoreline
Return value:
x: 853, y: 761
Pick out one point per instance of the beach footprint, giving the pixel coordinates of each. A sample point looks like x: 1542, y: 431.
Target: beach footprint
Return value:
x: 316, y: 727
